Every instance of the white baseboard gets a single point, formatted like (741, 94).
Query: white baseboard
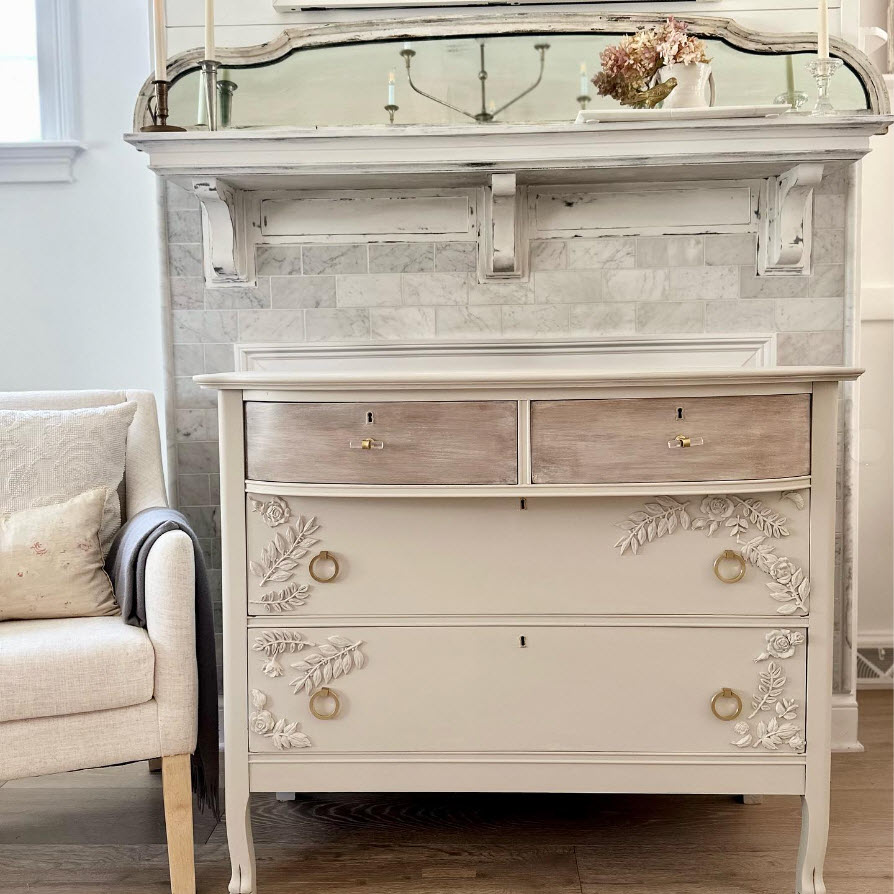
(844, 723)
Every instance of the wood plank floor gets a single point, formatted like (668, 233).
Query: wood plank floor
(102, 832)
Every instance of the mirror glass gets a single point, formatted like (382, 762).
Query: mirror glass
(349, 84)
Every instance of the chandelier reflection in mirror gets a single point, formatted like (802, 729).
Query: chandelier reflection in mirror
(490, 111)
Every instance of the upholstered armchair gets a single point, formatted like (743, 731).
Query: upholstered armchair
(90, 692)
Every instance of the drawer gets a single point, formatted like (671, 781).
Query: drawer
(487, 556)
(413, 442)
(477, 689)
(592, 441)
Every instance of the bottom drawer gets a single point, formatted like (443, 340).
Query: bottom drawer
(527, 689)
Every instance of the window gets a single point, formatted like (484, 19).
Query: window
(37, 129)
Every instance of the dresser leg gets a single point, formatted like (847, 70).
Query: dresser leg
(752, 799)
(239, 839)
(814, 835)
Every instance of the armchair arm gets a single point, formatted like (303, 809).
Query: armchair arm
(170, 622)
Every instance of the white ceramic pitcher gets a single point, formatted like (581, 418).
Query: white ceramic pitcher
(692, 79)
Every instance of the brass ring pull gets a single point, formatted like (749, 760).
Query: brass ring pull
(728, 694)
(324, 556)
(328, 693)
(684, 441)
(732, 556)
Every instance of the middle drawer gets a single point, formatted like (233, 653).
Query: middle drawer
(558, 556)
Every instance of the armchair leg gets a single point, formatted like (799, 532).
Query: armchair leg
(175, 775)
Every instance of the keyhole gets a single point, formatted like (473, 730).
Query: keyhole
(523, 642)
(369, 417)
(679, 412)
(522, 503)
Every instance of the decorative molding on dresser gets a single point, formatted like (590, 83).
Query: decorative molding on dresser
(493, 581)
(634, 352)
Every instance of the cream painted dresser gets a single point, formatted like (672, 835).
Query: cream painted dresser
(559, 581)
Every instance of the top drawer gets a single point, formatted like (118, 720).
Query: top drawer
(731, 438)
(412, 442)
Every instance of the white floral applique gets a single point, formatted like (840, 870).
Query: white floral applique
(282, 734)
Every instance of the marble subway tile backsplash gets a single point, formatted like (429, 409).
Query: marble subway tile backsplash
(392, 290)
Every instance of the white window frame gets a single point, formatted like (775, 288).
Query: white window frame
(50, 159)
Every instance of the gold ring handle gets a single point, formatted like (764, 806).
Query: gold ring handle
(732, 556)
(324, 556)
(728, 694)
(684, 441)
(328, 693)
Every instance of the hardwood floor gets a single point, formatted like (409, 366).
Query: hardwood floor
(102, 832)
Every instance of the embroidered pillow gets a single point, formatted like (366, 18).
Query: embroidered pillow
(49, 456)
(51, 561)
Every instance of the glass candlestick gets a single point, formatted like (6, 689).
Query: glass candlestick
(583, 100)
(823, 70)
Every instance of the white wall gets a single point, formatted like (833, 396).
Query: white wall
(79, 290)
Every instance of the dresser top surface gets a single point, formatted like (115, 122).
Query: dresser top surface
(472, 376)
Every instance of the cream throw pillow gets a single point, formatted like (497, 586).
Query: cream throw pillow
(51, 562)
(49, 456)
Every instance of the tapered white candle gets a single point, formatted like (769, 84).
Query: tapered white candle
(159, 40)
(390, 88)
(823, 30)
(583, 79)
(210, 49)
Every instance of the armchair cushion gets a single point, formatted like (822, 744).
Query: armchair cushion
(49, 456)
(50, 668)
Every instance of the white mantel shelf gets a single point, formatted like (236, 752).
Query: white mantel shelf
(664, 150)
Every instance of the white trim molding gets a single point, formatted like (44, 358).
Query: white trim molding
(42, 161)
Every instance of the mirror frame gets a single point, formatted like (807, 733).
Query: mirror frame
(491, 25)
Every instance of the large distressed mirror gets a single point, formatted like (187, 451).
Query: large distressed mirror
(418, 78)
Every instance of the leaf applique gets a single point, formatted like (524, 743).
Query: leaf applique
(278, 601)
(335, 658)
(281, 556)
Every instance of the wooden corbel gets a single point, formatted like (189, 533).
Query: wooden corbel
(786, 215)
(502, 246)
(224, 247)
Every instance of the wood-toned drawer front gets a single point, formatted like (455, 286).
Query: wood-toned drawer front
(753, 436)
(422, 442)
(476, 689)
(487, 556)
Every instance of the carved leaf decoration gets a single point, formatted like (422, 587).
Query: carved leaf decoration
(763, 518)
(280, 558)
(771, 734)
(336, 658)
(277, 601)
(794, 496)
(277, 642)
(790, 586)
(772, 682)
(658, 519)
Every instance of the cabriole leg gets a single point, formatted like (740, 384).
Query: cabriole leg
(814, 835)
(239, 839)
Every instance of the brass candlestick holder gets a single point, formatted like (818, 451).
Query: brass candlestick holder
(158, 111)
(391, 109)
(209, 83)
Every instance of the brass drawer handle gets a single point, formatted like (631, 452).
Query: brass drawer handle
(730, 555)
(685, 441)
(328, 693)
(366, 444)
(324, 556)
(726, 693)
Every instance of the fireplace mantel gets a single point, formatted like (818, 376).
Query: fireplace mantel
(786, 155)
(364, 157)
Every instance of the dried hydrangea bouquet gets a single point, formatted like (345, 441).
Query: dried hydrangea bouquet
(664, 64)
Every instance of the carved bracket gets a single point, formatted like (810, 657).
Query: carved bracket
(224, 248)
(786, 214)
(502, 246)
